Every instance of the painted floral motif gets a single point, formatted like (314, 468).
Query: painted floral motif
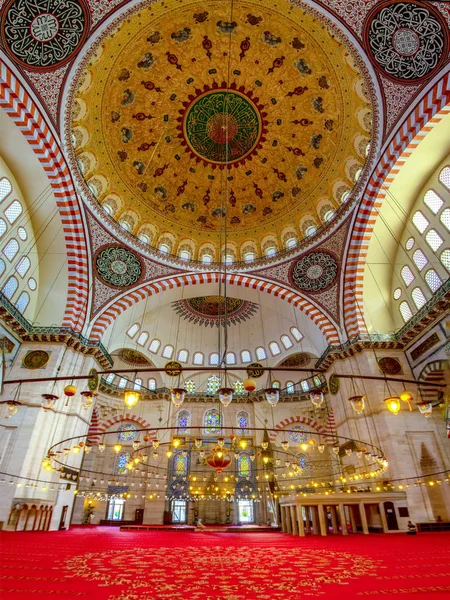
(118, 267)
(44, 34)
(210, 310)
(315, 272)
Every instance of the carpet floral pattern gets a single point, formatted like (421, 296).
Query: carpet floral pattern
(106, 564)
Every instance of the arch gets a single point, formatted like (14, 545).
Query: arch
(426, 113)
(96, 430)
(128, 299)
(328, 431)
(436, 371)
(21, 108)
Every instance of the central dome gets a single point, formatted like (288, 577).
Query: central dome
(183, 118)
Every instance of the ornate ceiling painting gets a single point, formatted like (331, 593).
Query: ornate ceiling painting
(156, 127)
(209, 311)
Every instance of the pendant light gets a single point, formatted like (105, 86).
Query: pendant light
(177, 395)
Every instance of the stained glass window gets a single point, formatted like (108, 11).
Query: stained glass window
(152, 384)
(213, 421)
(190, 386)
(121, 463)
(212, 385)
(244, 465)
(238, 387)
(242, 422)
(127, 432)
(303, 463)
(290, 388)
(184, 418)
(299, 434)
(180, 465)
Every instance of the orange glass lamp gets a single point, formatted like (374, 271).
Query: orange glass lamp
(406, 396)
(218, 460)
(393, 404)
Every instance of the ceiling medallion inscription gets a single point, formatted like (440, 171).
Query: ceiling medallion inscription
(222, 127)
(406, 40)
(44, 34)
(210, 310)
(118, 266)
(315, 272)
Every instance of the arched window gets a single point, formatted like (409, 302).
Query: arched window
(311, 230)
(199, 358)
(207, 259)
(144, 238)
(168, 351)
(183, 356)
(420, 221)
(445, 259)
(231, 358)
(110, 378)
(407, 275)
(420, 259)
(164, 248)
(212, 385)
(328, 215)
(290, 388)
(154, 346)
(433, 201)
(122, 383)
(249, 256)
(246, 357)
(13, 211)
(212, 422)
(260, 353)
(185, 255)
(23, 301)
(244, 465)
(128, 432)
(271, 251)
(274, 348)
(142, 339)
(125, 225)
(298, 434)
(10, 287)
(183, 421)
(276, 384)
(180, 467)
(305, 386)
(11, 249)
(137, 384)
(418, 297)
(132, 331)
(405, 311)
(303, 463)
(286, 341)
(5, 188)
(291, 243)
(434, 240)
(433, 280)
(2, 266)
(228, 259)
(190, 386)
(445, 218)
(214, 358)
(296, 333)
(238, 387)
(152, 384)
(444, 177)
(108, 210)
(122, 459)
(3, 227)
(23, 265)
(242, 422)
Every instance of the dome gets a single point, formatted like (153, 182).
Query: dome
(184, 122)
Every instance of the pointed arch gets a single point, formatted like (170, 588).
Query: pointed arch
(128, 299)
(96, 430)
(21, 108)
(328, 431)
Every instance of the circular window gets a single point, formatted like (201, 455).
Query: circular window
(397, 293)
(21, 232)
(32, 283)
(409, 243)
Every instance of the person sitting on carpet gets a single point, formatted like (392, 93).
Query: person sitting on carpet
(200, 524)
(412, 530)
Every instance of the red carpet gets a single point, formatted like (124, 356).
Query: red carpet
(104, 563)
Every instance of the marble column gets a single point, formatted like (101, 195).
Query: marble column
(301, 524)
(288, 519)
(322, 519)
(294, 520)
(343, 519)
(334, 521)
(307, 519)
(283, 519)
(383, 517)
(362, 512)
(352, 518)
(315, 520)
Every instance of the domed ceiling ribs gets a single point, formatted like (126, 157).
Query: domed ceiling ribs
(155, 110)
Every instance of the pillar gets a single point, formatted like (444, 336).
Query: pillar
(362, 512)
(334, 521)
(283, 519)
(322, 520)
(352, 518)
(343, 518)
(301, 524)
(288, 520)
(383, 517)
(315, 520)
(294, 520)
(307, 519)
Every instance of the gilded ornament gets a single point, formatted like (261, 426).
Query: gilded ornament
(35, 359)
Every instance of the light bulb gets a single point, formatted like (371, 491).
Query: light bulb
(117, 447)
(393, 404)
(243, 444)
(264, 445)
(131, 398)
(176, 442)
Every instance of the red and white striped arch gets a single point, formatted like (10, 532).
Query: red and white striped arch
(104, 319)
(20, 107)
(428, 111)
(328, 431)
(96, 430)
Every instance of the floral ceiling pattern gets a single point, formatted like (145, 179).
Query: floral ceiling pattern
(185, 118)
(213, 310)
